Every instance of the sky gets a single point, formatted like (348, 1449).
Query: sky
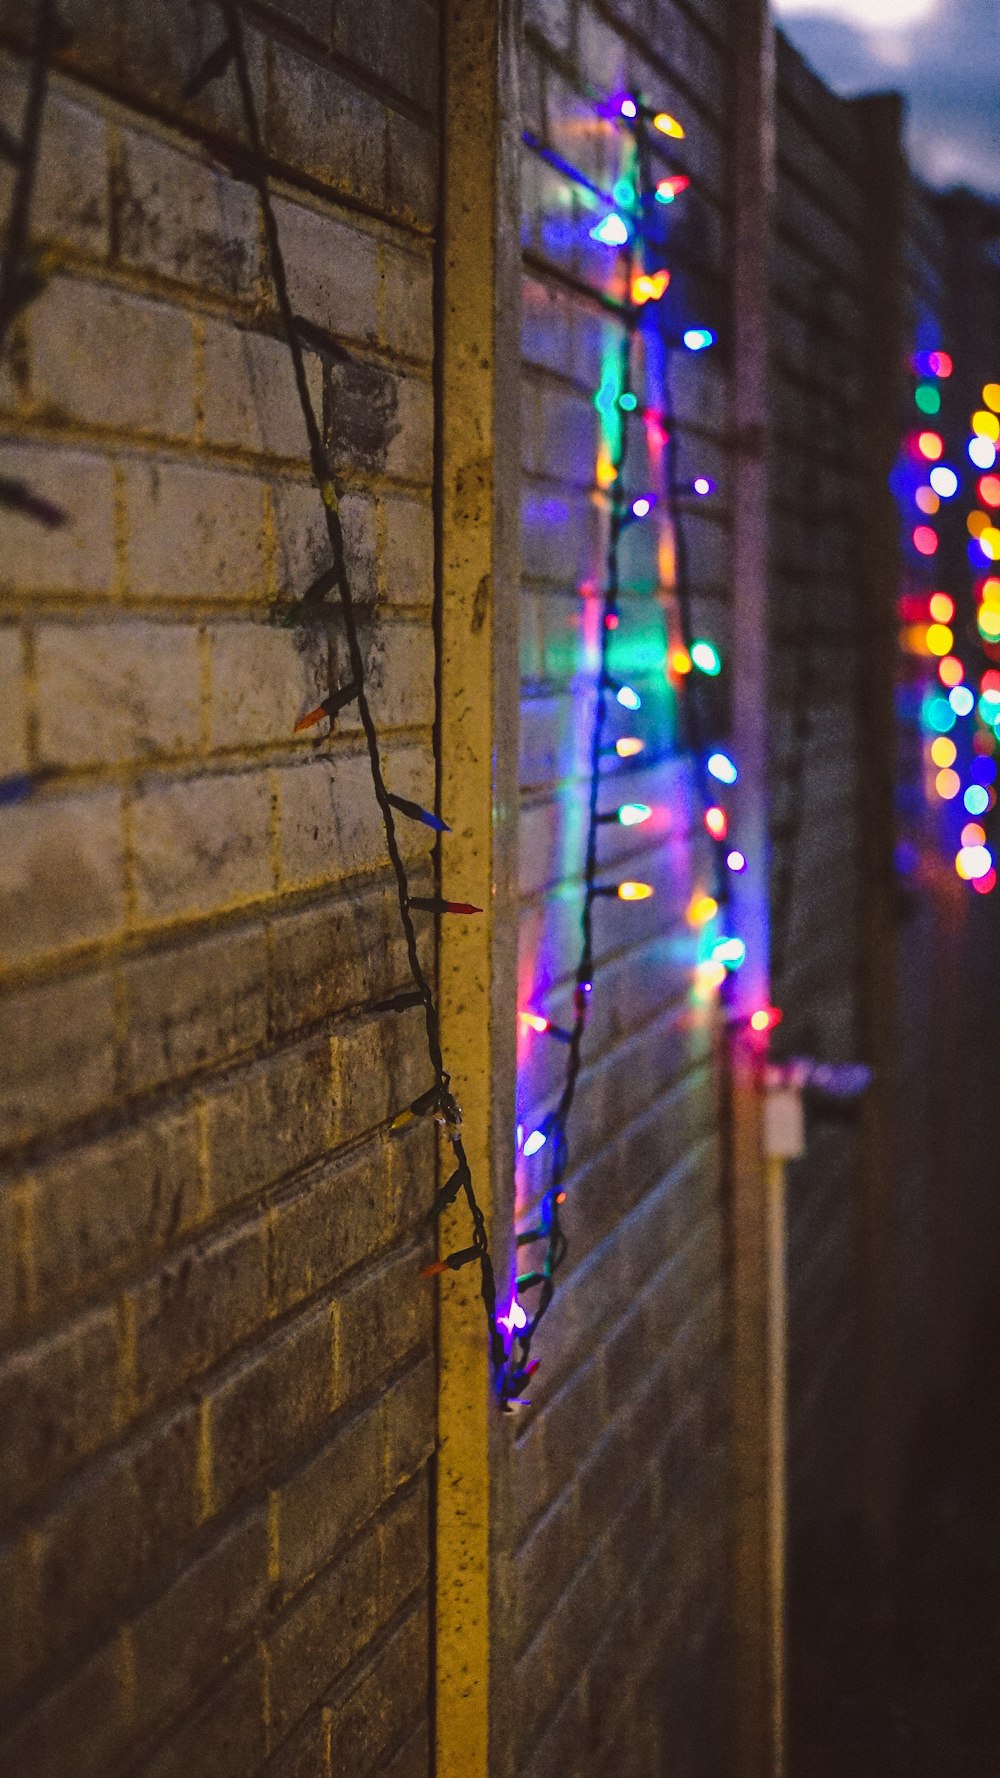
(944, 55)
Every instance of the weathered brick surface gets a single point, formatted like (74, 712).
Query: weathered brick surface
(60, 1403)
(193, 532)
(109, 1204)
(79, 556)
(201, 844)
(820, 328)
(250, 399)
(58, 1042)
(216, 1372)
(116, 691)
(80, 335)
(194, 1005)
(61, 876)
(179, 218)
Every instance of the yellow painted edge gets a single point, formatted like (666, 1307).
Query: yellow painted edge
(479, 281)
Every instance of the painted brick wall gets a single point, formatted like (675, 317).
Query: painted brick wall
(216, 1383)
(618, 1552)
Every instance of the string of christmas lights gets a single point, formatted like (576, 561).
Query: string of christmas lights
(958, 729)
(632, 227)
(975, 859)
(23, 277)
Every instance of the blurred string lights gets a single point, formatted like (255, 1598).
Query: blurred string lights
(959, 725)
(632, 227)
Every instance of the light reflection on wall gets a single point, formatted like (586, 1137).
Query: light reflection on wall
(609, 632)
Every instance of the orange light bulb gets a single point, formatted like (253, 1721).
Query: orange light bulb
(951, 670)
(947, 784)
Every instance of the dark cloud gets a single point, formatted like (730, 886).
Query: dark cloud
(948, 67)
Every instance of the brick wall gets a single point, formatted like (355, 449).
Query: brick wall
(820, 329)
(217, 1382)
(217, 1367)
(617, 1542)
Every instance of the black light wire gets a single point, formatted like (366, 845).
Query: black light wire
(21, 282)
(21, 278)
(18, 282)
(439, 1101)
(549, 1230)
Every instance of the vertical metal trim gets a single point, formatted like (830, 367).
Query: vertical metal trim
(478, 346)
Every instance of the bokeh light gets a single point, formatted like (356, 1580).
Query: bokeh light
(944, 481)
(947, 784)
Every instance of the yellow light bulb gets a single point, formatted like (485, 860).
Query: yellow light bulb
(629, 746)
(943, 751)
(634, 891)
(668, 126)
(939, 639)
(606, 472)
(680, 661)
(649, 287)
(991, 396)
(986, 425)
(942, 608)
(701, 909)
(989, 543)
